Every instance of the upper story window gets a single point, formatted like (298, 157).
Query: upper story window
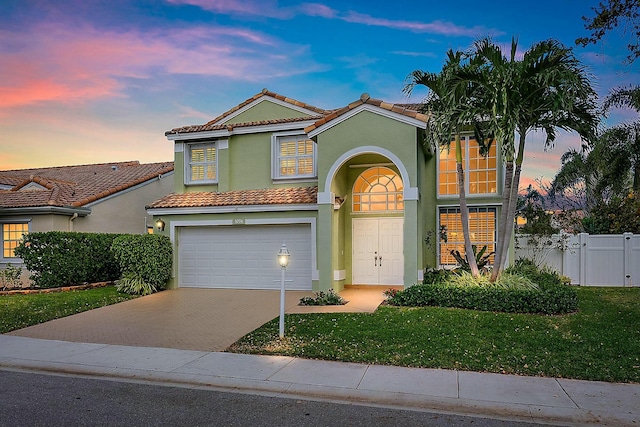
(378, 189)
(201, 163)
(12, 236)
(481, 173)
(294, 156)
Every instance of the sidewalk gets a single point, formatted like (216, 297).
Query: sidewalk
(531, 399)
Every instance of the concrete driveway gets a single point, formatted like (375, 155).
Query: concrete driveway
(187, 319)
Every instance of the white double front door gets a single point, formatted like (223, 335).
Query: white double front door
(377, 251)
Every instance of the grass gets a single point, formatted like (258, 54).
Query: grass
(20, 311)
(600, 342)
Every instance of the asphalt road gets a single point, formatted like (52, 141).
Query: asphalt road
(30, 399)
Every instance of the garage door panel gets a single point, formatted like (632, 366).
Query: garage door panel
(243, 257)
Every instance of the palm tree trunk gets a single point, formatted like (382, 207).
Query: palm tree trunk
(464, 212)
(513, 198)
(502, 226)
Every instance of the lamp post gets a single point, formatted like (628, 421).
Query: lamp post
(283, 260)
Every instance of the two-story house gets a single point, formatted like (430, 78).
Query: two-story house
(353, 192)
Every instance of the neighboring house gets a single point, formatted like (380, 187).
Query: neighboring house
(105, 198)
(353, 192)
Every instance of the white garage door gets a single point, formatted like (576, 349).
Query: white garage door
(243, 256)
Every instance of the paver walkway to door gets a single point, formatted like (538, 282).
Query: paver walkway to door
(186, 318)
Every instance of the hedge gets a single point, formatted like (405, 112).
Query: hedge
(58, 258)
(147, 257)
(554, 295)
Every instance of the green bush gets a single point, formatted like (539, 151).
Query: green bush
(144, 257)
(58, 258)
(542, 291)
(323, 298)
(134, 285)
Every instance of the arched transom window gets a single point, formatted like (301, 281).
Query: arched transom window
(378, 189)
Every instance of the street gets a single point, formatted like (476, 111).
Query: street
(30, 399)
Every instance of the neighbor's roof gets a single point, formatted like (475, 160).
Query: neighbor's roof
(74, 186)
(320, 117)
(269, 196)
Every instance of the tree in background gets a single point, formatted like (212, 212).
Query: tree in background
(611, 15)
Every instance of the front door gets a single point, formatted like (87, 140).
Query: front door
(377, 251)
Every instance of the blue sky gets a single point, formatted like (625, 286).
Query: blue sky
(93, 81)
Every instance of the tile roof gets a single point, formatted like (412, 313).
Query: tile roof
(267, 196)
(213, 126)
(215, 123)
(321, 117)
(409, 110)
(74, 186)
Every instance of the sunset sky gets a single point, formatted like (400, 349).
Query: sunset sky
(85, 81)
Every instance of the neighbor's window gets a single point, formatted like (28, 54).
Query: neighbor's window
(12, 236)
(482, 227)
(294, 157)
(378, 189)
(480, 171)
(202, 163)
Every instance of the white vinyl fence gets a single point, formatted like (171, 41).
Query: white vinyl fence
(598, 260)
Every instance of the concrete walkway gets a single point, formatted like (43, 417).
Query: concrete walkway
(532, 399)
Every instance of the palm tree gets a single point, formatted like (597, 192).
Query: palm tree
(602, 170)
(628, 135)
(547, 89)
(449, 106)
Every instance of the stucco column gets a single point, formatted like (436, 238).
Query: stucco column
(411, 242)
(325, 246)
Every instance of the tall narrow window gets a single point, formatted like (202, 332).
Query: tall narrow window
(482, 226)
(378, 189)
(202, 163)
(294, 157)
(480, 171)
(11, 237)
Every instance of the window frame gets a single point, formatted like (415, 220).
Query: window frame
(276, 140)
(465, 139)
(396, 198)
(188, 162)
(4, 222)
(456, 208)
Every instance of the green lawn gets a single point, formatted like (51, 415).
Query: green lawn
(599, 342)
(20, 311)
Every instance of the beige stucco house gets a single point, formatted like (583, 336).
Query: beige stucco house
(105, 198)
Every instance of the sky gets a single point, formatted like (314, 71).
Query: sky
(84, 81)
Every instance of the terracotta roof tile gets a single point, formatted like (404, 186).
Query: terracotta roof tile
(224, 126)
(75, 185)
(265, 92)
(409, 110)
(269, 196)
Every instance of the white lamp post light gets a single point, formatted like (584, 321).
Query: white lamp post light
(283, 260)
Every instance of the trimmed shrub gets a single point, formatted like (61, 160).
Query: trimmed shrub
(541, 291)
(143, 258)
(323, 298)
(59, 258)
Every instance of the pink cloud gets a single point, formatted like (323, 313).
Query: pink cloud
(317, 9)
(266, 8)
(60, 64)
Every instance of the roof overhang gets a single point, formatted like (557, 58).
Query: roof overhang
(231, 209)
(372, 109)
(240, 130)
(46, 210)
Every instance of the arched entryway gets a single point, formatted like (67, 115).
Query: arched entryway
(377, 227)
